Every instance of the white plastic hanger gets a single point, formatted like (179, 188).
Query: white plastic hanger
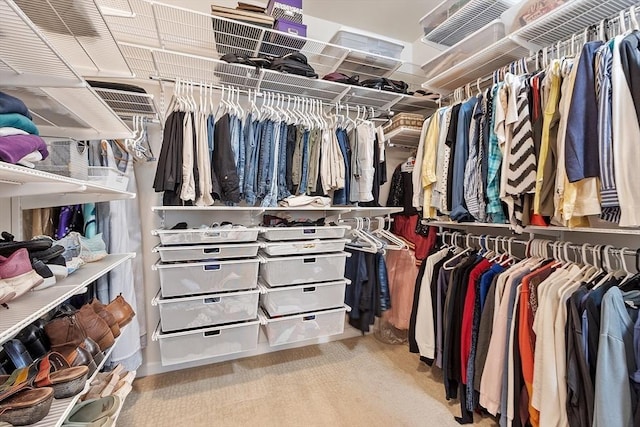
(396, 242)
(633, 18)
(370, 245)
(607, 266)
(448, 265)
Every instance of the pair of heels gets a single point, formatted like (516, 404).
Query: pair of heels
(26, 395)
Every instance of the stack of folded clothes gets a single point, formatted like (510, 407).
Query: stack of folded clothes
(19, 140)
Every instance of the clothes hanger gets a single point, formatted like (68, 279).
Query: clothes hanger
(370, 245)
(595, 270)
(633, 19)
(293, 111)
(448, 266)
(396, 242)
(281, 107)
(318, 113)
(607, 267)
(380, 243)
(191, 104)
(628, 274)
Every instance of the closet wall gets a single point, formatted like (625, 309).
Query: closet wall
(318, 29)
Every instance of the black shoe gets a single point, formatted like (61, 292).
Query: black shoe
(35, 340)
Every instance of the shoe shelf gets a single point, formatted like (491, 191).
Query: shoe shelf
(38, 189)
(443, 26)
(569, 18)
(36, 304)
(60, 408)
(61, 102)
(169, 42)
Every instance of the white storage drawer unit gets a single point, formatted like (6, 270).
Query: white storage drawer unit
(285, 300)
(301, 247)
(302, 233)
(296, 270)
(204, 252)
(300, 327)
(207, 235)
(187, 346)
(207, 310)
(207, 277)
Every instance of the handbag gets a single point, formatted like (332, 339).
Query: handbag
(294, 63)
(241, 58)
(397, 86)
(343, 78)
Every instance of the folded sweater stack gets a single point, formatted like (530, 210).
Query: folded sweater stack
(20, 142)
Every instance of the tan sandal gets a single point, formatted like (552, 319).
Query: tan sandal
(27, 406)
(19, 403)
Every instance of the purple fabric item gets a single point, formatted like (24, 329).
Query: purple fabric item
(15, 147)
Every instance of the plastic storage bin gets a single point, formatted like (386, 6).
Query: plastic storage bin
(302, 247)
(207, 277)
(207, 235)
(301, 327)
(198, 344)
(285, 300)
(296, 270)
(109, 177)
(205, 252)
(301, 233)
(207, 310)
(368, 44)
(467, 47)
(67, 158)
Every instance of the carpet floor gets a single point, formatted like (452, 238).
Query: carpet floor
(355, 382)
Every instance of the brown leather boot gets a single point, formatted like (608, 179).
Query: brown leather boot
(101, 310)
(121, 311)
(64, 330)
(94, 327)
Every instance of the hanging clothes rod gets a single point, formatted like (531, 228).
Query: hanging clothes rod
(512, 240)
(570, 46)
(372, 112)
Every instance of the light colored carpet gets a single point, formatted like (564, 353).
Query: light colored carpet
(355, 382)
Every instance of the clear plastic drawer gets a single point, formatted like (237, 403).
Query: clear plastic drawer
(302, 233)
(207, 235)
(205, 252)
(207, 310)
(301, 327)
(301, 247)
(198, 344)
(207, 277)
(296, 270)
